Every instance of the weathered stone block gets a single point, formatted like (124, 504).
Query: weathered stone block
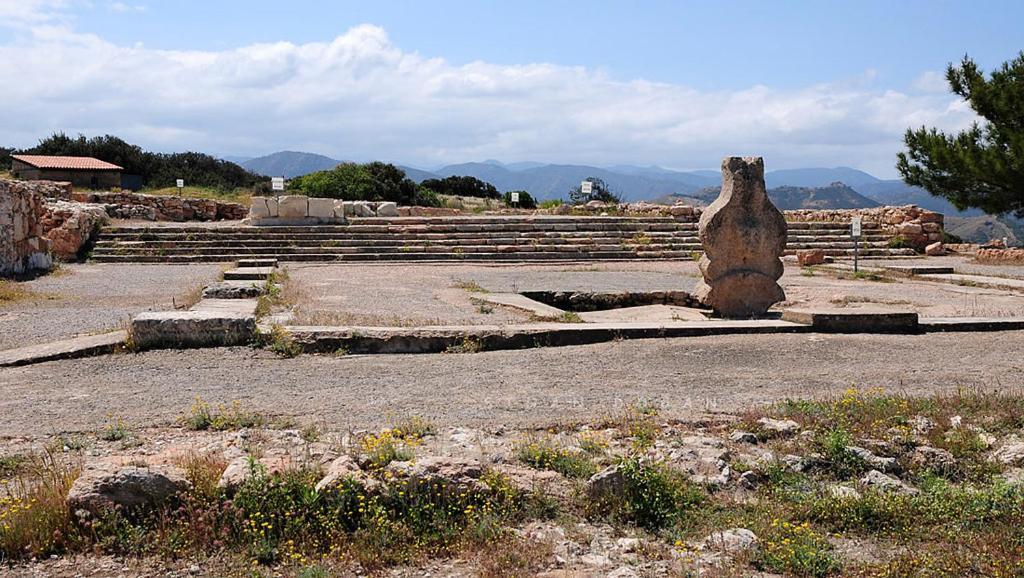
(387, 209)
(321, 208)
(744, 237)
(194, 328)
(259, 208)
(293, 207)
(362, 209)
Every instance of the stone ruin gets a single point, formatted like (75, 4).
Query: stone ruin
(744, 238)
(23, 247)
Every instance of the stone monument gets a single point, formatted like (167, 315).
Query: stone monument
(744, 238)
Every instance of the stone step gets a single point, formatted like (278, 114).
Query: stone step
(455, 257)
(257, 263)
(270, 250)
(248, 274)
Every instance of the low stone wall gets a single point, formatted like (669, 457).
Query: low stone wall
(22, 245)
(162, 207)
(1000, 256)
(916, 226)
(683, 213)
(71, 226)
(299, 210)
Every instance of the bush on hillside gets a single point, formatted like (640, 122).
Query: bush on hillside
(526, 201)
(462, 186)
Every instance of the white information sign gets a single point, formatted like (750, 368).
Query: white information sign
(586, 187)
(515, 197)
(181, 183)
(855, 227)
(277, 183)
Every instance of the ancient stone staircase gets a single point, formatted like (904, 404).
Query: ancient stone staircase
(517, 238)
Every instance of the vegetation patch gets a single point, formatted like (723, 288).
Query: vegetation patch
(203, 416)
(545, 454)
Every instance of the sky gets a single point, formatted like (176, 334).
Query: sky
(677, 84)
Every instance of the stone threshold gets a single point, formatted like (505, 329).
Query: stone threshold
(84, 346)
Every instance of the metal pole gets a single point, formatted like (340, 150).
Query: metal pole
(856, 251)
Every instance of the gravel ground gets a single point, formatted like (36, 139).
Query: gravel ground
(516, 388)
(960, 264)
(92, 298)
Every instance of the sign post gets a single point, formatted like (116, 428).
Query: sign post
(855, 227)
(586, 187)
(277, 185)
(515, 199)
(180, 183)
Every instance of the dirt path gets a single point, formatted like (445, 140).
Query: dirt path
(538, 386)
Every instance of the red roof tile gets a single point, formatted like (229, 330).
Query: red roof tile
(72, 163)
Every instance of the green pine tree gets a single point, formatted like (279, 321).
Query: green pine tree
(983, 166)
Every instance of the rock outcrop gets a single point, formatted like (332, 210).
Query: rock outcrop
(106, 487)
(744, 238)
(70, 226)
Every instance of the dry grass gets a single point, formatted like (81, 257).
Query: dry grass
(319, 317)
(33, 511)
(849, 299)
(189, 298)
(243, 196)
(16, 292)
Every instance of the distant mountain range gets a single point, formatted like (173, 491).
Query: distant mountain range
(289, 164)
(817, 188)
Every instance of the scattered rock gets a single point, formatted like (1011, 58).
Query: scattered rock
(342, 468)
(876, 479)
(809, 257)
(1011, 453)
(608, 482)
(935, 249)
(873, 461)
(105, 487)
(843, 492)
(795, 463)
(461, 472)
(921, 425)
(783, 427)
(750, 479)
(743, 437)
(538, 481)
(733, 540)
(934, 459)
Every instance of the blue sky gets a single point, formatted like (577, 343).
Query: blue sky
(678, 84)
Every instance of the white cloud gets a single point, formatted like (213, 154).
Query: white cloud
(361, 97)
(931, 81)
(122, 7)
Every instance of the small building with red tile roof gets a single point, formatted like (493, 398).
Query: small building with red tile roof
(85, 172)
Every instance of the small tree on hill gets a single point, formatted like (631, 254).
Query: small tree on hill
(599, 191)
(982, 166)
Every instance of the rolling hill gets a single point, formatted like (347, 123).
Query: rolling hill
(289, 164)
(834, 196)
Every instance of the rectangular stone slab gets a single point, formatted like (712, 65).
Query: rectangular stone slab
(247, 263)
(248, 274)
(919, 269)
(210, 323)
(75, 347)
(521, 302)
(844, 320)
